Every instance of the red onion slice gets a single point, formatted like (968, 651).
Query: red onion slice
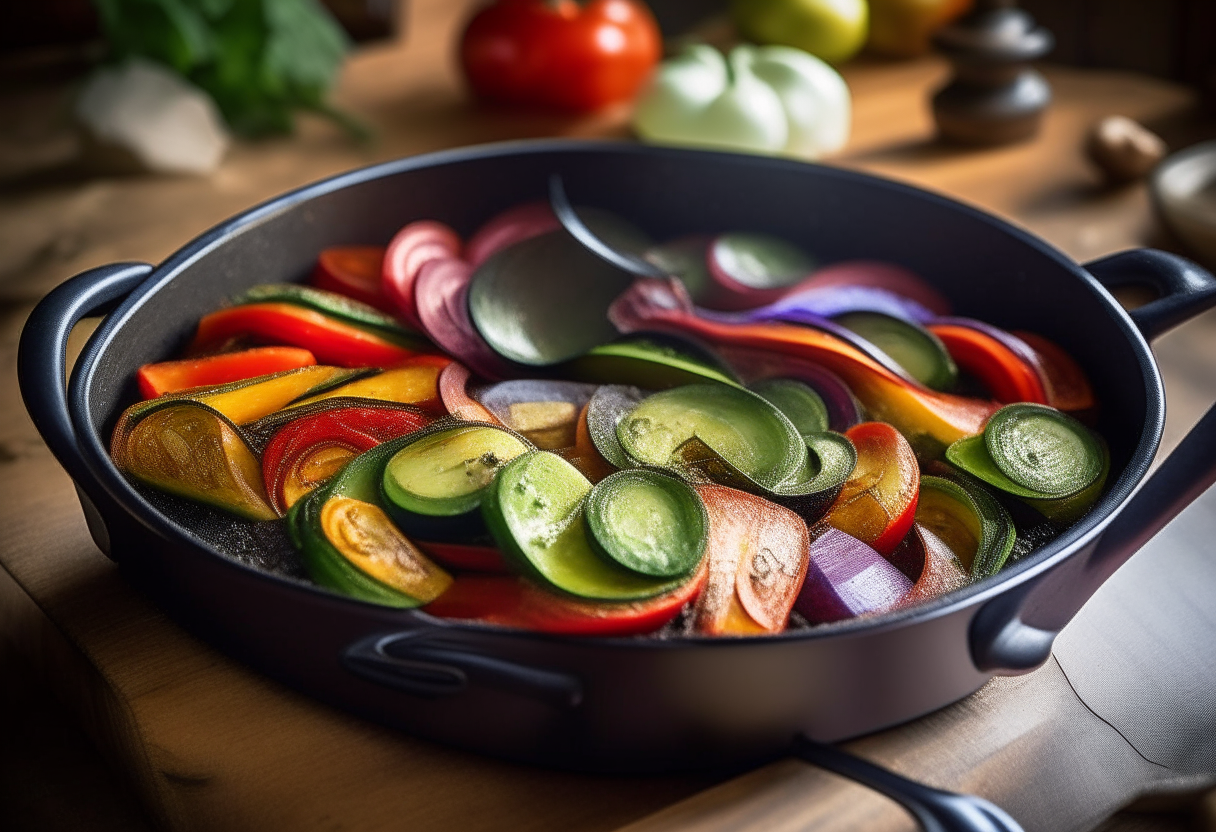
(847, 578)
(441, 290)
(879, 275)
(512, 226)
(411, 248)
(925, 559)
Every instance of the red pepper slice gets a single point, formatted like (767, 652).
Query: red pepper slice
(310, 450)
(353, 271)
(411, 248)
(465, 556)
(1065, 382)
(174, 376)
(516, 602)
(331, 341)
(878, 502)
(1007, 376)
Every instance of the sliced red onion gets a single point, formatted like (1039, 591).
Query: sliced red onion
(411, 248)
(830, 301)
(847, 578)
(879, 275)
(453, 391)
(752, 365)
(514, 225)
(441, 291)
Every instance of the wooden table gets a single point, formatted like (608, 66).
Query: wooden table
(196, 741)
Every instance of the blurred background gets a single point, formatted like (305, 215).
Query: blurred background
(127, 127)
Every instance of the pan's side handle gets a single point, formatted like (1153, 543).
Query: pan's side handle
(935, 810)
(42, 355)
(1000, 641)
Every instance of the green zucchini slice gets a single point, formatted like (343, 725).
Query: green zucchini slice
(349, 544)
(969, 520)
(433, 486)
(798, 401)
(1043, 450)
(711, 430)
(652, 361)
(912, 347)
(534, 510)
(648, 522)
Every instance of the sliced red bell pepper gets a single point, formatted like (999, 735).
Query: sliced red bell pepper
(1005, 374)
(516, 602)
(310, 450)
(331, 341)
(411, 248)
(353, 271)
(174, 376)
(1067, 387)
(878, 502)
(465, 556)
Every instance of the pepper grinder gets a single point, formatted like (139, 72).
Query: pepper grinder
(995, 96)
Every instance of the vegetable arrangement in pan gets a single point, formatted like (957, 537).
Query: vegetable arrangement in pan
(559, 425)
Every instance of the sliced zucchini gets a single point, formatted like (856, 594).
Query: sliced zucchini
(916, 349)
(648, 522)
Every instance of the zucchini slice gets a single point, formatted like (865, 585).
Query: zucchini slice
(648, 522)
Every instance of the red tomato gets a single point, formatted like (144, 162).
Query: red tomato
(560, 54)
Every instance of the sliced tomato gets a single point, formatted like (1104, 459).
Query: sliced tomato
(878, 502)
(174, 376)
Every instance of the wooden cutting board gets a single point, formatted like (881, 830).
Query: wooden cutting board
(209, 744)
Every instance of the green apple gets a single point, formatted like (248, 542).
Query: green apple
(830, 29)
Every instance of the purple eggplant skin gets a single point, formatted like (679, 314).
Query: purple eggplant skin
(846, 578)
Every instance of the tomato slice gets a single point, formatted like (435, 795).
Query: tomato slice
(878, 502)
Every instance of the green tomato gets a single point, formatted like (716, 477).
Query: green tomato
(831, 29)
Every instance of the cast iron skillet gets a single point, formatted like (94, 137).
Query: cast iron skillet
(628, 704)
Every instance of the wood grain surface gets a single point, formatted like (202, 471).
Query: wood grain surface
(204, 743)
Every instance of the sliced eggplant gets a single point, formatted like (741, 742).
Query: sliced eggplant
(846, 578)
(534, 510)
(545, 411)
(433, 487)
(647, 522)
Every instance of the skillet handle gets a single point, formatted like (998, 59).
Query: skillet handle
(1001, 641)
(42, 355)
(935, 810)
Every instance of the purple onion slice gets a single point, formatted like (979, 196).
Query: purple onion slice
(847, 578)
(440, 291)
(880, 275)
